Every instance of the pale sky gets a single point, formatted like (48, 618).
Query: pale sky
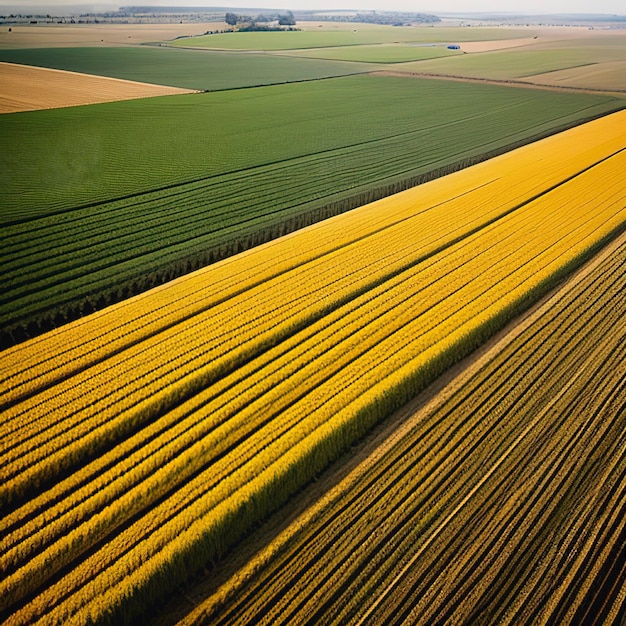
(446, 6)
(424, 6)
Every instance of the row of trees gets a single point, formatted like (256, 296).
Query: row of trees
(391, 18)
(260, 21)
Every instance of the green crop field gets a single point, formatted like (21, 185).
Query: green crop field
(105, 200)
(380, 53)
(191, 69)
(356, 36)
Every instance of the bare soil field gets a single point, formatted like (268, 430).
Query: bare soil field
(25, 88)
(69, 35)
(488, 46)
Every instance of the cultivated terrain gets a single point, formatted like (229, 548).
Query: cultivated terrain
(317, 326)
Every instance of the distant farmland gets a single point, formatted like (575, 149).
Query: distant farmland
(516, 63)
(356, 36)
(580, 60)
(105, 201)
(378, 54)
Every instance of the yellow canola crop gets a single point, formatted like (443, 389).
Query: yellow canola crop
(289, 367)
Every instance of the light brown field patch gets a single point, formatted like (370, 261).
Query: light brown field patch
(70, 35)
(26, 88)
(601, 76)
(502, 44)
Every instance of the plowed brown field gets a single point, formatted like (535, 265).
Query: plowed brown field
(25, 88)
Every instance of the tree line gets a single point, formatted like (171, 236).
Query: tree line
(260, 22)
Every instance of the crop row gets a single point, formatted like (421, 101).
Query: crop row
(65, 257)
(151, 461)
(501, 502)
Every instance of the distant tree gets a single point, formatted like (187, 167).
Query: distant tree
(287, 19)
(231, 19)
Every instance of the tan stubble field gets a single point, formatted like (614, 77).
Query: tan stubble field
(26, 88)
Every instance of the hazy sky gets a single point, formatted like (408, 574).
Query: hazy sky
(426, 6)
(435, 6)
